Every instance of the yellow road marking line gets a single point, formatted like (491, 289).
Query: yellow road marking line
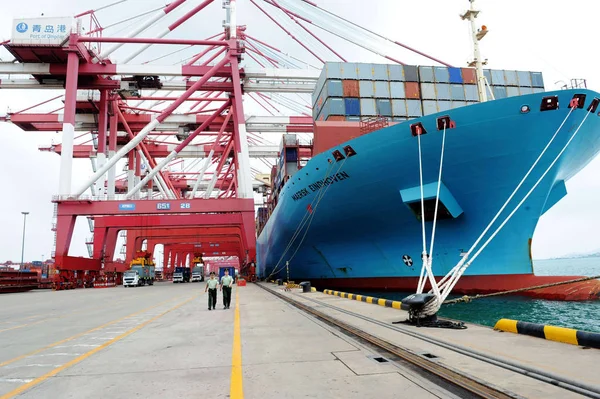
(236, 390)
(35, 352)
(24, 325)
(59, 317)
(73, 362)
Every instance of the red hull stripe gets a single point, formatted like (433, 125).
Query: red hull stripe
(472, 285)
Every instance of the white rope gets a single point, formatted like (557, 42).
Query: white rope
(432, 281)
(302, 222)
(459, 272)
(312, 215)
(466, 256)
(424, 253)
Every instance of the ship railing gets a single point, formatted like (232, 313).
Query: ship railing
(372, 123)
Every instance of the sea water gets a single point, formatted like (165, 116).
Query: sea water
(487, 311)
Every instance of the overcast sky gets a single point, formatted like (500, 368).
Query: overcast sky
(550, 36)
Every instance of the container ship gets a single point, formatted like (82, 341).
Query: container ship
(345, 212)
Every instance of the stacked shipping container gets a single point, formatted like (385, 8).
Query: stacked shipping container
(347, 91)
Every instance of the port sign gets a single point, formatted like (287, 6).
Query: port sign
(41, 31)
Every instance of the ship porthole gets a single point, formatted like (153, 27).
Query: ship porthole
(525, 109)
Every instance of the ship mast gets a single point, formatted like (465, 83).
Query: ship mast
(477, 35)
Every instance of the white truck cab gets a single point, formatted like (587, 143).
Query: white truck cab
(178, 277)
(131, 278)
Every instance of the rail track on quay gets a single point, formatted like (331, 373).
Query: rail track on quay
(451, 379)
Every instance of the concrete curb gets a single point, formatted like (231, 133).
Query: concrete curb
(368, 299)
(551, 333)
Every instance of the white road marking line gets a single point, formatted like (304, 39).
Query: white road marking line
(18, 380)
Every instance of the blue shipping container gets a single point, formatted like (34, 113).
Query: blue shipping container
(499, 92)
(396, 73)
(524, 78)
(441, 74)
(380, 72)
(384, 107)
(382, 89)
(471, 93)
(413, 108)
(536, 79)
(334, 88)
(367, 107)
(455, 75)
(457, 92)
(349, 70)
(365, 71)
(366, 88)
(428, 91)
(399, 108)
(512, 91)
(352, 106)
(444, 106)
(333, 106)
(511, 78)
(426, 74)
(458, 104)
(443, 91)
(498, 78)
(429, 107)
(397, 90)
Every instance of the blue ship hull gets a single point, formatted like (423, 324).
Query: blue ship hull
(363, 225)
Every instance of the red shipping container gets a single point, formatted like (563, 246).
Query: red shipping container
(412, 90)
(338, 118)
(330, 134)
(351, 88)
(469, 75)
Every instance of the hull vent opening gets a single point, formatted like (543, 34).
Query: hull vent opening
(443, 212)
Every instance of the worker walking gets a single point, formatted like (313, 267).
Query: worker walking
(211, 286)
(226, 283)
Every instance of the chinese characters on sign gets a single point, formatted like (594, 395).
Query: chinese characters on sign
(43, 31)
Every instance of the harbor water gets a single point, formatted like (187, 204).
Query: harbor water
(486, 311)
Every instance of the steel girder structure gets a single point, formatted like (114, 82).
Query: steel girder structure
(75, 63)
(122, 129)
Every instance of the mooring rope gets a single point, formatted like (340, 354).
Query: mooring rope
(467, 298)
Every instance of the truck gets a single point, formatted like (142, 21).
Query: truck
(198, 273)
(198, 268)
(181, 275)
(139, 275)
(142, 271)
(232, 272)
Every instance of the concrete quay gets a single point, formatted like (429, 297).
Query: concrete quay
(161, 341)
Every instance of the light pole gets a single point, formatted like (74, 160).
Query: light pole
(23, 242)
